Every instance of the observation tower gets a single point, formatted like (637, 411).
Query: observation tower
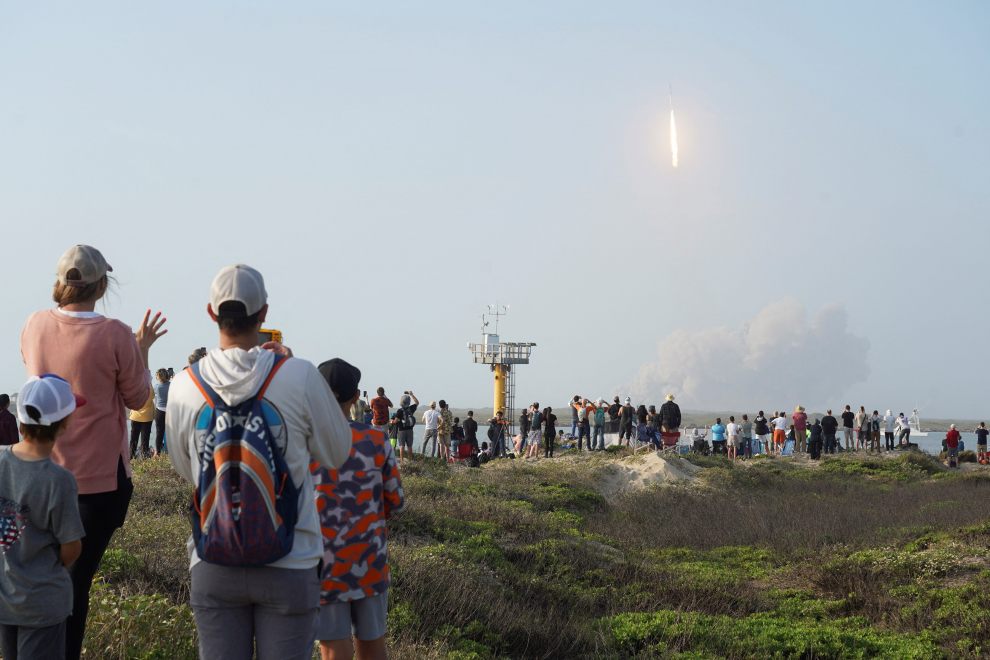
(501, 357)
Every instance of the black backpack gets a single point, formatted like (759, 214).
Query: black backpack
(535, 419)
(408, 419)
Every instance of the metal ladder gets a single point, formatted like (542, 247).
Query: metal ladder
(510, 401)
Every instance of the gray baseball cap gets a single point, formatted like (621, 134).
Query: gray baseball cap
(87, 260)
(238, 283)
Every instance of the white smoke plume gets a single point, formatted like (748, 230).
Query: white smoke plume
(776, 359)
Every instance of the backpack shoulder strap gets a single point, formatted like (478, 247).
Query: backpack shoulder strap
(208, 393)
(213, 398)
(279, 361)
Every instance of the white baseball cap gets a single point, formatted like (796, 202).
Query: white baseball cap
(51, 395)
(238, 283)
(87, 260)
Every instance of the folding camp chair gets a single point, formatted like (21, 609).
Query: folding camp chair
(463, 453)
(670, 442)
(788, 448)
(645, 436)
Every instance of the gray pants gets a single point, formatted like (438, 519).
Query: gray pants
(24, 643)
(278, 607)
(427, 435)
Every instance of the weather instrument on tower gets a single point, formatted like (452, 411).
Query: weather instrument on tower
(501, 356)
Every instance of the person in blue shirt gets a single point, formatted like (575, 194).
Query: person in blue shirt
(718, 437)
(161, 402)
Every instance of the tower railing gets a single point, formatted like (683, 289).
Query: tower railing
(502, 353)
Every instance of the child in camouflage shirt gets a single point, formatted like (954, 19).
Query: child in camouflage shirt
(354, 502)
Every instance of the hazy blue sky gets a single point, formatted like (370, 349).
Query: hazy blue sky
(392, 168)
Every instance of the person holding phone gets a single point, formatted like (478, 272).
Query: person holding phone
(359, 407)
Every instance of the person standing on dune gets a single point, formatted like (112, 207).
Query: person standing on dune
(862, 429)
(379, 410)
(549, 431)
(626, 416)
(829, 426)
(874, 423)
(762, 428)
(670, 416)
(848, 418)
(107, 363)
(800, 429)
(779, 432)
(888, 430)
(598, 426)
(613, 416)
(575, 407)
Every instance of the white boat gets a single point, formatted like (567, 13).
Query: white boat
(915, 423)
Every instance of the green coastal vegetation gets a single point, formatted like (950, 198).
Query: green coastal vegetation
(850, 557)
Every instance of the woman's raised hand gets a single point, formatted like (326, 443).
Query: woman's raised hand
(149, 333)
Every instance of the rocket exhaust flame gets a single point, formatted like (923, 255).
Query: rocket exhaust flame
(673, 131)
(673, 139)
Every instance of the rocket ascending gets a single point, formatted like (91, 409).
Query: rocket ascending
(673, 129)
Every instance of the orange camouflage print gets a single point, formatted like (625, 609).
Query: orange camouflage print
(354, 501)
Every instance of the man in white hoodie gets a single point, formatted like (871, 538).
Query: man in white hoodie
(272, 608)
(888, 430)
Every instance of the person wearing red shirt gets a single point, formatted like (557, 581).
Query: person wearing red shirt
(379, 410)
(952, 445)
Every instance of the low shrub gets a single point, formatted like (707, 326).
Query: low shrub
(763, 635)
(967, 456)
(138, 627)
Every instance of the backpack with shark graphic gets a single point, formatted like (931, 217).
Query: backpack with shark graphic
(245, 506)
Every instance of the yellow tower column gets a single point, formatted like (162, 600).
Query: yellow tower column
(500, 377)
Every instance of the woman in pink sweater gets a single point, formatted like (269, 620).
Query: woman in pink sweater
(107, 364)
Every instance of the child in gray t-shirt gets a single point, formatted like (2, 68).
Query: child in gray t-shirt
(40, 527)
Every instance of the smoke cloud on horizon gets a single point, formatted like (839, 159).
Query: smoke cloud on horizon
(776, 359)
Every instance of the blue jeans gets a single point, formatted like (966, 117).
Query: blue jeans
(597, 437)
(498, 445)
(829, 443)
(574, 427)
(584, 431)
